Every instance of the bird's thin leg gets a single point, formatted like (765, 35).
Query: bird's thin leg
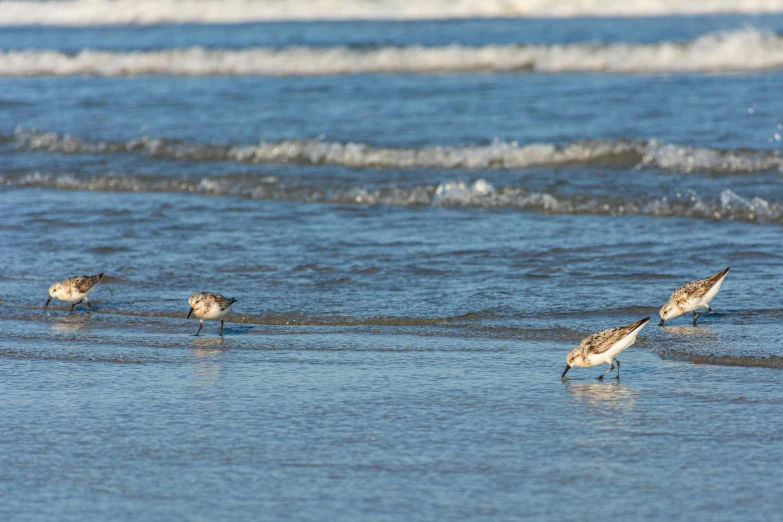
(88, 305)
(618, 368)
(696, 316)
(200, 324)
(600, 377)
(221, 328)
(74, 304)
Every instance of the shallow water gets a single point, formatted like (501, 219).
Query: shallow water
(413, 256)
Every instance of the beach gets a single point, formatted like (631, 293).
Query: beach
(414, 250)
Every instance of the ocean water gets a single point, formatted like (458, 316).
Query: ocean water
(419, 220)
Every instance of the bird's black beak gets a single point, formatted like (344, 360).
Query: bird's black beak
(568, 367)
(47, 302)
(191, 311)
(661, 323)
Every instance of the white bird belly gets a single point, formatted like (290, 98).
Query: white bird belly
(607, 356)
(74, 297)
(705, 301)
(691, 305)
(214, 312)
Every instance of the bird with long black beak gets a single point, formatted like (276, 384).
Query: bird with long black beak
(604, 347)
(209, 306)
(74, 290)
(692, 296)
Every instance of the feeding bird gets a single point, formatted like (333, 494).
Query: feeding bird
(603, 348)
(208, 306)
(74, 290)
(692, 296)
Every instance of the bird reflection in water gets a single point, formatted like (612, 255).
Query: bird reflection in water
(602, 394)
(699, 332)
(70, 323)
(207, 366)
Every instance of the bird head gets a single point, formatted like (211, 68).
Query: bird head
(575, 358)
(667, 311)
(56, 290)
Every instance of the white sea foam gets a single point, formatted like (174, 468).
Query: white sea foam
(741, 50)
(108, 12)
(496, 155)
(455, 193)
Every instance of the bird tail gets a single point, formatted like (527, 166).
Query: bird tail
(637, 325)
(720, 275)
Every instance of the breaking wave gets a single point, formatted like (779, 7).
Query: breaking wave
(108, 12)
(456, 193)
(736, 51)
(754, 361)
(497, 155)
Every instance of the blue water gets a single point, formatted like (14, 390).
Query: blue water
(413, 257)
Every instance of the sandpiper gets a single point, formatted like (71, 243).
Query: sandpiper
(74, 290)
(603, 348)
(209, 305)
(692, 296)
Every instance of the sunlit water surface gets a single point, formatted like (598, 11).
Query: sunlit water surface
(413, 257)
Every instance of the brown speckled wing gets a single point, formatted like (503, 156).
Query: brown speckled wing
(222, 302)
(84, 283)
(603, 340)
(696, 289)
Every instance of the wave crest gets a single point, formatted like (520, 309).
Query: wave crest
(145, 12)
(497, 155)
(736, 51)
(753, 361)
(456, 193)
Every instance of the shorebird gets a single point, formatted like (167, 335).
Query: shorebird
(604, 347)
(692, 296)
(74, 290)
(209, 305)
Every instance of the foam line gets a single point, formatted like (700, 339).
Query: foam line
(496, 155)
(147, 12)
(744, 50)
